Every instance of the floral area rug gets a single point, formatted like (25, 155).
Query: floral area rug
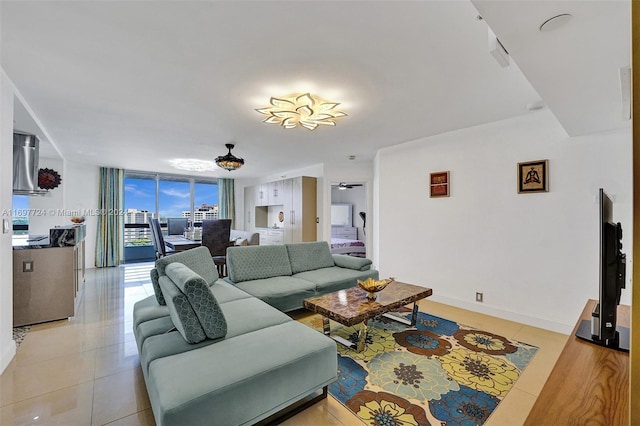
(437, 372)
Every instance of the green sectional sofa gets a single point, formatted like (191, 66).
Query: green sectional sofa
(285, 275)
(212, 353)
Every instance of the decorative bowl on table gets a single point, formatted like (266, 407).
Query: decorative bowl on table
(77, 219)
(372, 286)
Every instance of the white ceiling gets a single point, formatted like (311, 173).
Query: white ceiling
(135, 84)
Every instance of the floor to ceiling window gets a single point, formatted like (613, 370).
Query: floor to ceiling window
(154, 195)
(205, 199)
(174, 198)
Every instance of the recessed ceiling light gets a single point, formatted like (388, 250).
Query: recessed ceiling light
(352, 157)
(192, 165)
(555, 22)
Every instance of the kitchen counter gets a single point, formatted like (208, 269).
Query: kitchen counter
(60, 236)
(69, 235)
(21, 242)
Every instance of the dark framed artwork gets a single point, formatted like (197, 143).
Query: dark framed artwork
(533, 176)
(439, 184)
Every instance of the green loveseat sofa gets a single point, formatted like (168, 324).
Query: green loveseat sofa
(285, 275)
(213, 354)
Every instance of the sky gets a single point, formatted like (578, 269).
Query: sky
(20, 202)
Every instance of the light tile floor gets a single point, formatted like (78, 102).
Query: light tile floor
(86, 370)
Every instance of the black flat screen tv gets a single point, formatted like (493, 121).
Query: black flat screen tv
(603, 329)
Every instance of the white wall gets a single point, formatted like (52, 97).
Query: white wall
(7, 345)
(534, 256)
(81, 194)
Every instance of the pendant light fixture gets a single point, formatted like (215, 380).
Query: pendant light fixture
(229, 162)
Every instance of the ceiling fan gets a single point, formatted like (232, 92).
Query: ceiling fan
(343, 186)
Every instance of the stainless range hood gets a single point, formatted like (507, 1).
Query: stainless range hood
(26, 148)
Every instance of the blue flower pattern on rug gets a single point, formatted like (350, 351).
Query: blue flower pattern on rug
(351, 379)
(426, 322)
(407, 371)
(465, 407)
(410, 376)
(522, 357)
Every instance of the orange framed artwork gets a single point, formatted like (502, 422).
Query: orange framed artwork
(439, 184)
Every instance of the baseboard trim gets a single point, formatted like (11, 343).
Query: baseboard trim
(8, 352)
(504, 314)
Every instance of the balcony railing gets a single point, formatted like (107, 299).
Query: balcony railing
(137, 234)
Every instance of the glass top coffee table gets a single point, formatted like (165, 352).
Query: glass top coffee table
(351, 307)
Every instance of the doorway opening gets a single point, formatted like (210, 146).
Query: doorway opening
(349, 218)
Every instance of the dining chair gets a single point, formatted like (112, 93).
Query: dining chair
(216, 234)
(158, 239)
(177, 225)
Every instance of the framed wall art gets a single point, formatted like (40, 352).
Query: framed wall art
(533, 176)
(439, 184)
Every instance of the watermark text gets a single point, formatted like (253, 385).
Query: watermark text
(61, 212)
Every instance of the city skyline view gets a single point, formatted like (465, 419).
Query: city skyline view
(174, 197)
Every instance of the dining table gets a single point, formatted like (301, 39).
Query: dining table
(181, 243)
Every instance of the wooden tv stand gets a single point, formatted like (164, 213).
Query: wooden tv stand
(588, 385)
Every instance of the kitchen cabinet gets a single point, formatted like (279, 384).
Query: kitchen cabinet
(300, 204)
(44, 284)
(277, 194)
(270, 194)
(269, 237)
(261, 194)
(48, 273)
(290, 213)
(249, 206)
(79, 265)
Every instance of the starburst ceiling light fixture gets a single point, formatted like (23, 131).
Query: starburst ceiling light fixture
(306, 110)
(229, 162)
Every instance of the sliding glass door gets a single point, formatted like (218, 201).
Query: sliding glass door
(154, 195)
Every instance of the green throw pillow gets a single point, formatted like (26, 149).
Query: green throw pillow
(197, 259)
(202, 301)
(309, 256)
(181, 312)
(257, 262)
(357, 263)
(156, 287)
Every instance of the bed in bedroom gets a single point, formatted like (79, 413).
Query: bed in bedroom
(344, 236)
(354, 248)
